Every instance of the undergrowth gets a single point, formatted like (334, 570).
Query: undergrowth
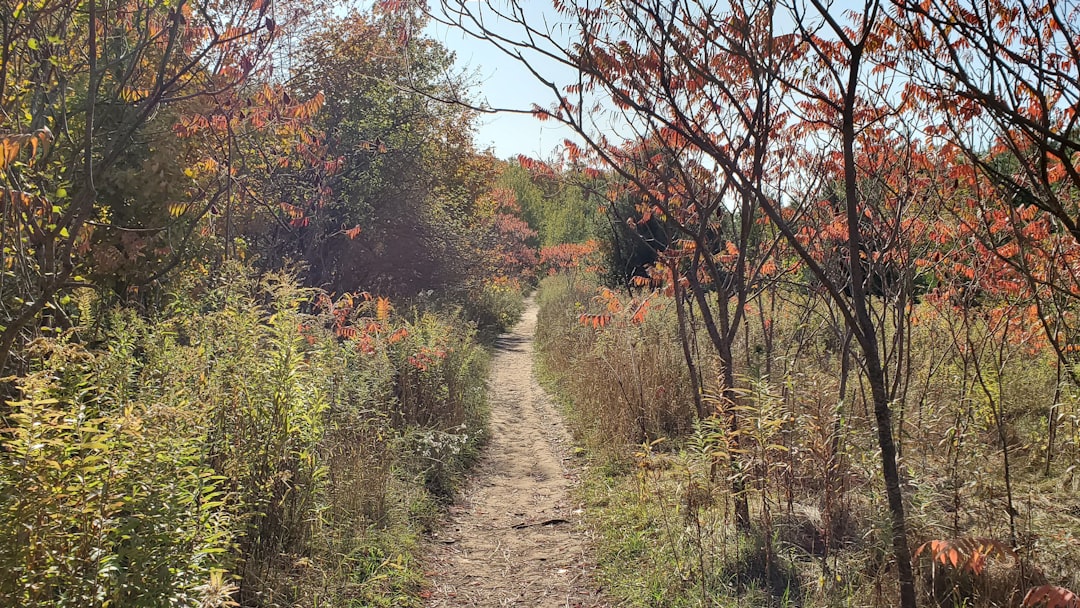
(260, 445)
(658, 487)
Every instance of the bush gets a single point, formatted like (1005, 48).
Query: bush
(495, 307)
(100, 505)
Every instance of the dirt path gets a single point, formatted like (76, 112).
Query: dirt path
(514, 538)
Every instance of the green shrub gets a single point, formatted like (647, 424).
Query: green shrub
(102, 503)
(495, 307)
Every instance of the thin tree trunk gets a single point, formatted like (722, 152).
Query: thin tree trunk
(684, 341)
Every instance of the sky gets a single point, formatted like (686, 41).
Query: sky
(504, 83)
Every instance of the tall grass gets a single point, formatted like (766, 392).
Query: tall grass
(627, 383)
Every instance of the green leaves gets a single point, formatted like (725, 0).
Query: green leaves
(72, 475)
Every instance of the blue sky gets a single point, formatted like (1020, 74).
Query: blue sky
(503, 82)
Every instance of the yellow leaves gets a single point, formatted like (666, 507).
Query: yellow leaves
(217, 591)
(373, 146)
(383, 309)
(132, 95)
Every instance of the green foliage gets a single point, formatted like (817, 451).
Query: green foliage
(406, 177)
(252, 438)
(664, 538)
(440, 391)
(99, 504)
(495, 308)
(560, 210)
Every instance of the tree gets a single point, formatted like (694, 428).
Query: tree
(394, 212)
(80, 83)
(995, 84)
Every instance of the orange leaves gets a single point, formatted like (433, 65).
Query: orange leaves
(672, 138)
(568, 256)
(731, 253)
(964, 270)
(398, 336)
(639, 313)
(11, 145)
(621, 311)
(535, 166)
(610, 300)
(596, 321)
(1049, 596)
(268, 107)
(573, 152)
(646, 281)
(964, 553)
(376, 146)
(540, 113)
(367, 321)
(382, 309)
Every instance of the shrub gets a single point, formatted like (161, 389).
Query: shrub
(495, 307)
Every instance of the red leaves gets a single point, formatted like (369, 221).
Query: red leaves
(1049, 596)
(567, 256)
(535, 166)
(622, 312)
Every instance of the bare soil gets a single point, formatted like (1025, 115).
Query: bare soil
(514, 538)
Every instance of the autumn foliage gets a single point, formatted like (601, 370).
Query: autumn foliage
(897, 179)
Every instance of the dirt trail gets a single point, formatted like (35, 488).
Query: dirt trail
(514, 538)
